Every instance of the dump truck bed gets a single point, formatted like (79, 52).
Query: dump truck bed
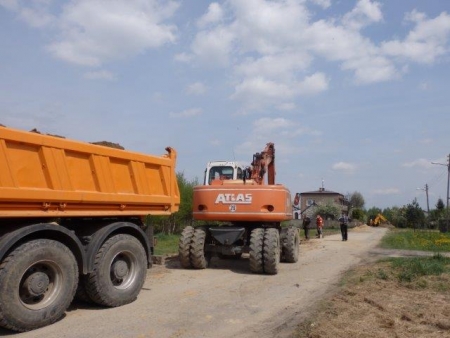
(48, 176)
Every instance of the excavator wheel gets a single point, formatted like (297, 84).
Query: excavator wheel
(290, 245)
(197, 250)
(184, 247)
(256, 250)
(271, 252)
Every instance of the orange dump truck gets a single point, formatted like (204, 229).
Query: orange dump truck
(72, 223)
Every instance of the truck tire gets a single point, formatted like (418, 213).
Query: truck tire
(184, 247)
(81, 293)
(291, 245)
(256, 250)
(38, 281)
(120, 269)
(271, 251)
(197, 250)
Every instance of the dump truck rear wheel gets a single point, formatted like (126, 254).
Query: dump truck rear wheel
(197, 250)
(184, 247)
(81, 293)
(291, 245)
(119, 272)
(38, 282)
(271, 251)
(256, 250)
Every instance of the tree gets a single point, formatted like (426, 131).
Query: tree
(414, 214)
(357, 200)
(440, 204)
(177, 221)
(395, 216)
(358, 214)
(328, 210)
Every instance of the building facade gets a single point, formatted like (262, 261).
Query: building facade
(318, 197)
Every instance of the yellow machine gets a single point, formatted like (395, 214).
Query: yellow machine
(378, 220)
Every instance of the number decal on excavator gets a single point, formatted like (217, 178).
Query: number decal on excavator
(234, 199)
(232, 208)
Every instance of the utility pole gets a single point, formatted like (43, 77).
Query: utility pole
(448, 188)
(426, 191)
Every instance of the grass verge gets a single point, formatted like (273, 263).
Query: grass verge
(166, 244)
(408, 239)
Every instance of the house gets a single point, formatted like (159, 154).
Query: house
(319, 197)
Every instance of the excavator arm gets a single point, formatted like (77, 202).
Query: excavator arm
(263, 163)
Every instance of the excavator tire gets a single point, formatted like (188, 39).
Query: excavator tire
(197, 250)
(184, 247)
(256, 250)
(271, 251)
(291, 245)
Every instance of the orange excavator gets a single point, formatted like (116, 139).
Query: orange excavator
(250, 207)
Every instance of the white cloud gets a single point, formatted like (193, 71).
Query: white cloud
(419, 163)
(100, 75)
(196, 88)
(364, 13)
(183, 57)
(33, 12)
(95, 31)
(186, 113)
(286, 106)
(213, 15)
(344, 166)
(213, 47)
(322, 3)
(425, 43)
(387, 191)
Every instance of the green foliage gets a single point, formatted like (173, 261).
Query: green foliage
(358, 214)
(357, 200)
(440, 204)
(177, 221)
(416, 240)
(415, 217)
(395, 216)
(409, 269)
(328, 210)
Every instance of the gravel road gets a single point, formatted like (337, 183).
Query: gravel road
(225, 300)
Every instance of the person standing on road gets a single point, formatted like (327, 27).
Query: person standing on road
(306, 222)
(344, 226)
(319, 225)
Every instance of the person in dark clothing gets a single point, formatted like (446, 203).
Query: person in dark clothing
(344, 220)
(306, 221)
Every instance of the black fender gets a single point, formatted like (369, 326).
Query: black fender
(105, 232)
(44, 230)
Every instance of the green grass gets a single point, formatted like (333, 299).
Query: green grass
(416, 240)
(409, 269)
(166, 244)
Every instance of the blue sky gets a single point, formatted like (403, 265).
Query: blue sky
(354, 93)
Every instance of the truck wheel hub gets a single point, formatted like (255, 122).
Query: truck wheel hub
(120, 269)
(37, 283)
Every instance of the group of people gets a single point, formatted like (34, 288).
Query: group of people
(343, 221)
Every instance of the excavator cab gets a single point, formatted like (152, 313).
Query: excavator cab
(223, 170)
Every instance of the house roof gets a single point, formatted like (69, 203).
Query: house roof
(321, 191)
